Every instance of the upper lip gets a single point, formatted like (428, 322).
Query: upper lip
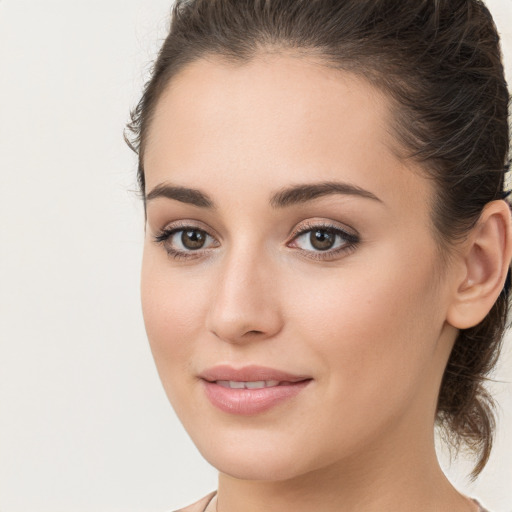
(249, 373)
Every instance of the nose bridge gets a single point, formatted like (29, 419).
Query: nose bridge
(245, 300)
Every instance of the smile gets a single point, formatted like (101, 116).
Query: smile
(257, 384)
(250, 390)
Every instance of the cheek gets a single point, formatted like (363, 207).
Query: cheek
(371, 329)
(173, 308)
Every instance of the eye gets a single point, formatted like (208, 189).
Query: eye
(183, 241)
(329, 239)
(319, 239)
(191, 239)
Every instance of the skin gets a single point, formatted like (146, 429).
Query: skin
(373, 324)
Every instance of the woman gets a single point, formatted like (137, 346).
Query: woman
(327, 244)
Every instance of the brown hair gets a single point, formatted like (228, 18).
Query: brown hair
(440, 63)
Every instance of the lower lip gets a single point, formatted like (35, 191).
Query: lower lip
(251, 401)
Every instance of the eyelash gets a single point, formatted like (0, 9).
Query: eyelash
(165, 234)
(351, 240)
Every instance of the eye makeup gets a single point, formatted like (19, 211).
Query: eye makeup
(317, 240)
(323, 241)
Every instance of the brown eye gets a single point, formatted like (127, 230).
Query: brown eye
(185, 242)
(193, 239)
(326, 239)
(322, 239)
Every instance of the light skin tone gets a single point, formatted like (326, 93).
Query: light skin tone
(371, 319)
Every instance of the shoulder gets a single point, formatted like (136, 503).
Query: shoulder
(200, 505)
(480, 508)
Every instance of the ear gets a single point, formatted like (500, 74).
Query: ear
(485, 259)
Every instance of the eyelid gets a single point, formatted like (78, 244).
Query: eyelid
(166, 233)
(350, 239)
(188, 223)
(163, 236)
(310, 225)
(184, 224)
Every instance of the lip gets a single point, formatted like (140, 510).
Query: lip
(249, 373)
(250, 401)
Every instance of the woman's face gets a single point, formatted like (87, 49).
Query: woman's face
(288, 246)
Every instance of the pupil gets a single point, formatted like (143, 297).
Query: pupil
(193, 239)
(322, 240)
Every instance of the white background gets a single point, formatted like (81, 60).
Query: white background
(84, 422)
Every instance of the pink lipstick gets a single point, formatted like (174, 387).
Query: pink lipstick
(251, 389)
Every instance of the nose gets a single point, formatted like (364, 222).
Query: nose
(245, 301)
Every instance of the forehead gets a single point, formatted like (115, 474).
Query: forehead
(276, 119)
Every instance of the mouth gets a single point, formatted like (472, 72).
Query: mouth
(250, 390)
(262, 376)
(255, 384)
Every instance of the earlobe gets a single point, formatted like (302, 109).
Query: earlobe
(486, 259)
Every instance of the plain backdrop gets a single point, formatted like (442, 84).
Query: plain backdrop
(84, 422)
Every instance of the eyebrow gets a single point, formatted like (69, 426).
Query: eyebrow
(182, 194)
(295, 194)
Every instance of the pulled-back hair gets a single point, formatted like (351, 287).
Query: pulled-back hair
(439, 62)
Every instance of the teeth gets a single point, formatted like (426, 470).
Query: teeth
(255, 385)
(235, 385)
(258, 384)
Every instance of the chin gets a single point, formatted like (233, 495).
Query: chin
(259, 459)
(241, 468)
